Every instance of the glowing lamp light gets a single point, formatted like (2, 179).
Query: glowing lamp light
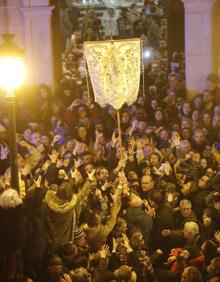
(11, 73)
(147, 54)
(12, 69)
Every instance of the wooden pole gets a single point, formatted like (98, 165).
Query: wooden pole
(119, 133)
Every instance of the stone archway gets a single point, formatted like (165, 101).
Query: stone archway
(216, 37)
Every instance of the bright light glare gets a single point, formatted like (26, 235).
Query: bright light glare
(12, 72)
(147, 54)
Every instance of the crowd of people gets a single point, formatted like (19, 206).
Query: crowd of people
(87, 211)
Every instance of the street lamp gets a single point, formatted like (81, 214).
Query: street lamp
(11, 77)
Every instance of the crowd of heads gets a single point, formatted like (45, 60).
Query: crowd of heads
(88, 209)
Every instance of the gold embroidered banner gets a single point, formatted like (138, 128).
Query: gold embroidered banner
(114, 69)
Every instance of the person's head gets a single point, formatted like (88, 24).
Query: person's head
(209, 216)
(44, 91)
(36, 138)
(79, 238)
(195, 116)
(173, 80)
(55, 266)
(216, 110)
(216, 121)
(27, 134)
(186, 133)
(164, 135)
(45, 139)
(123, 273)
(87, 158)
(88, 168)
(125, 117)
(199, 136)
(93, 219)
(133, 7)
(132, 176)
(136, 242)
(216, 201)
(158, 115)
(162, 43)
(186, 122)
(198, 101)
(121, 225)
(186, 109)
(156, 198)
(102, 174)
(154, 159)
(207, 119)
(190, 230)
(185, 208)
(80, 275)
(135, 202)
(154, 104)
(207, 96)
(203, 182)
(185, 146)
(81, 132)
(111, 111)
(147, 183)
(82, 113)
(172, 96)
(212, 81)
(191, 274)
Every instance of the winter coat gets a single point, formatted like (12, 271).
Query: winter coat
(61, 215)
(12, 231)
(137, 217)
(96, 236)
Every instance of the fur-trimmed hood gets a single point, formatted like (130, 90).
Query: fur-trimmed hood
(58, 205)
(10, 199)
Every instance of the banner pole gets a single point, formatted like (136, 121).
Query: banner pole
(119, 133)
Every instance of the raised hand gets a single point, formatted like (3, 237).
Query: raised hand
(217, 236)
(98, 135)
(105, 186)
(175, 140)
(26, 169)
(91, 175)
(59, 163)
(132, 142)
(156, 171)
(54, 156)
(38, 181)
(4, 152)
(77, 163)
(104, 252)
(46, 165)
(62, 174)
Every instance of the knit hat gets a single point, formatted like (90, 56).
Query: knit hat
(79, 234)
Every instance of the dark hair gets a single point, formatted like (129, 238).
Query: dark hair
(92, 220)
(156, 196)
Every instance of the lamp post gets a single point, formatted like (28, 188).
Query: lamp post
(11, 77)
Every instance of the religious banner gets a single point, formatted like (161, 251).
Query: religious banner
(114, 68)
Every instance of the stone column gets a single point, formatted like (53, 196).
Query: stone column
(38, 41)
(198, 42)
